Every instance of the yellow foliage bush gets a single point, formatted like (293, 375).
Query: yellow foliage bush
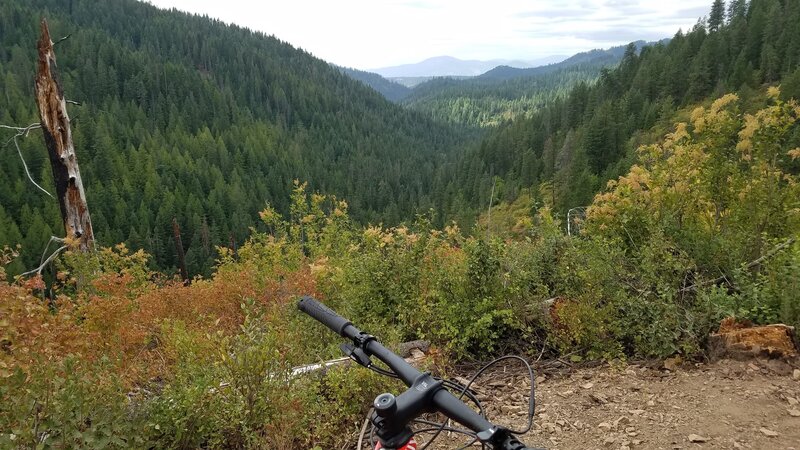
(725, 177)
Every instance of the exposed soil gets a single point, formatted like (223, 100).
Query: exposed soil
(726, 405)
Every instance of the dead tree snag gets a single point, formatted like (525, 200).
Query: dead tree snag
(58, 138)
(176, 231)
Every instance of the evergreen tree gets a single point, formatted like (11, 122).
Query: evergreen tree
(737, 10)
(716, 19)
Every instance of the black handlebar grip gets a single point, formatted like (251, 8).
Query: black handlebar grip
(323, 314)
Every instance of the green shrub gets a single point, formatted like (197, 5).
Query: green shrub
(237, 392)
(336, 404)
(765, 293)
(67, 405)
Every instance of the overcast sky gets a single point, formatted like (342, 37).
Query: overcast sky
(368, 34)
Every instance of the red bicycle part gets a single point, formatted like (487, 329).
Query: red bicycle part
(410, 445)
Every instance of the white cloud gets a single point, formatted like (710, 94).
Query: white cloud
(373, 33)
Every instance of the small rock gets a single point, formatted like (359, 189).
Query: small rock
(768, 432)
(510, 408)
(793, 401)
(540, 380)
(605, 425)
(598, 399)
(779, 367)
(621, 420)
(636, 412)
(697, 438)
(794, 413)
(587, 385)
(796, 374)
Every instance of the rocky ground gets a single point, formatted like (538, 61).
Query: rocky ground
(751, 404)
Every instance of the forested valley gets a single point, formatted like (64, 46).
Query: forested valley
(184, 117)
(505, 93)
(678, 167)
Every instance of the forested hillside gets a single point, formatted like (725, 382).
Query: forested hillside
(505, 93)
(391, 90)
(183, 116)
(566, 151)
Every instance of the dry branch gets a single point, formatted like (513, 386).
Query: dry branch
(750, 265)
(23, 132)
(47, 259)
(44, 263)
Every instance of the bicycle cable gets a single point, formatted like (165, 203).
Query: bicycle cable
(464, 391)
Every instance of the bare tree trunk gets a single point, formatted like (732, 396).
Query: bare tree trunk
(58, 138)
(233, 248)
(176, 231)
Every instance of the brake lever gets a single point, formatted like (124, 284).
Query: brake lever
(356, 354)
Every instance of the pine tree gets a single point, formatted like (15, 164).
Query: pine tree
(737, 10)
(716, 19)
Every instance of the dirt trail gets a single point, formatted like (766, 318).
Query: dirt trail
(727, 405)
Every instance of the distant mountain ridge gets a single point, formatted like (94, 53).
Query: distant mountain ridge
(441, 66)
(505, 92)
(608, 56)
(396, 87)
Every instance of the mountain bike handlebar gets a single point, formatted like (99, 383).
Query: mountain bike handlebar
(425, 394)
(325, 316)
